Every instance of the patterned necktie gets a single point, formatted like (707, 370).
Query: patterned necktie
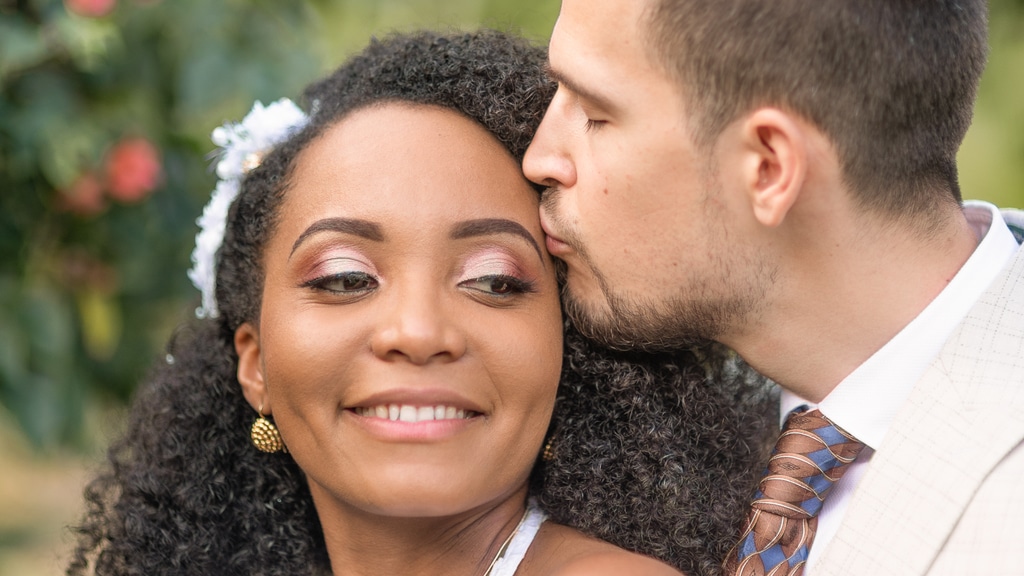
(811, 454)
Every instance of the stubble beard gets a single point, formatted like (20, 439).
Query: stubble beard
(637, 322)
(705, 307)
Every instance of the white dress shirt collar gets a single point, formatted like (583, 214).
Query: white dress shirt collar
(866, 401)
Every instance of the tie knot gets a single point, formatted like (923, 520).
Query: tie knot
(811, 454)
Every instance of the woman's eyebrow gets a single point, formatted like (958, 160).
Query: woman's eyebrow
(491, 226)
(354, 226)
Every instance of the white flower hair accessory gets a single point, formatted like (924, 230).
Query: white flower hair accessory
(242, 147)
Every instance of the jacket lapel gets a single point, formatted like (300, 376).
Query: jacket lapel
(962, 417)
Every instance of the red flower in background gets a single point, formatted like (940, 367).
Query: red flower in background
(133, 169)
(85, 196)
(90, 8)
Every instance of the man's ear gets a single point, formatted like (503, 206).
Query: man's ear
(250, 368)
(774, 163)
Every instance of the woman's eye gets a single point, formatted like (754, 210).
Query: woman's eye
(498, 285)
(344, 283)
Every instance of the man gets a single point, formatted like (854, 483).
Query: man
(779, 175)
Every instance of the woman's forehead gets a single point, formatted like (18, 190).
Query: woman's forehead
(416, 161)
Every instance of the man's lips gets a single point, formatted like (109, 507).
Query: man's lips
(556, 246)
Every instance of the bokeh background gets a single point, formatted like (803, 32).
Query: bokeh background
(105, 111)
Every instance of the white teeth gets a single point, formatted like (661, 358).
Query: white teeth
(410, 413)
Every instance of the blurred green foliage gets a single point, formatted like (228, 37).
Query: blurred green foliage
(991, 159)
(102, 122)
(105, 111)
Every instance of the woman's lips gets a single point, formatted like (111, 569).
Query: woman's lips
(418, 424)
(414, 414)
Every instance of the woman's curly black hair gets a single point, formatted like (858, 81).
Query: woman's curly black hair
(655, 453)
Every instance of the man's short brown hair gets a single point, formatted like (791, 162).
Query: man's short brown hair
(891, 82)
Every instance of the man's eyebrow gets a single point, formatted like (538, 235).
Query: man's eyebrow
(491, 226)
(353, 226)
(578, 89)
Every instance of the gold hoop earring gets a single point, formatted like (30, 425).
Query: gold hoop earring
(265, 436)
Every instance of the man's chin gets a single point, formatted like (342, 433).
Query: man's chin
(622, 328)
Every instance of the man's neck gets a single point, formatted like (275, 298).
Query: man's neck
(844, 296)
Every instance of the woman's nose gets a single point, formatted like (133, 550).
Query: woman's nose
(548, 160)
(416, 328)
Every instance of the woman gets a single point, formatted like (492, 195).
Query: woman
(382, 294)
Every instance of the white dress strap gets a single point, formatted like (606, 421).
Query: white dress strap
(520, 543)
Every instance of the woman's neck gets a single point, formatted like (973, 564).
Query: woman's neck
(360, 543)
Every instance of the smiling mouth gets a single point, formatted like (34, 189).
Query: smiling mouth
(411, 413)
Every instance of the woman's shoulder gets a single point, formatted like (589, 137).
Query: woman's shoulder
(562, 551)
(615, 563)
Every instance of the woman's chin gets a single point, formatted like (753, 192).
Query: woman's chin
(423, 493)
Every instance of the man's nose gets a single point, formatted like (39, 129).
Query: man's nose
(548, 160)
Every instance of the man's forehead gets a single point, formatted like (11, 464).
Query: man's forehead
(601, 23)
(597, 44)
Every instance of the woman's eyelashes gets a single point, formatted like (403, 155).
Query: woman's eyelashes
(348, 283)
(492, 280)
(342, 276)
(498, 285)
(495, 277)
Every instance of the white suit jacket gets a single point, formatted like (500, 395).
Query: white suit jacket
(944, 492)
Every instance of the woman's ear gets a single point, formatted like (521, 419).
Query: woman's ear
(775, 163)
(250, 368)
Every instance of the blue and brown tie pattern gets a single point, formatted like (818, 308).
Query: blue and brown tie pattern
(811, 454)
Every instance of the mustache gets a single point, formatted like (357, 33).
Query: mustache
(548, 199)
(562, 229)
